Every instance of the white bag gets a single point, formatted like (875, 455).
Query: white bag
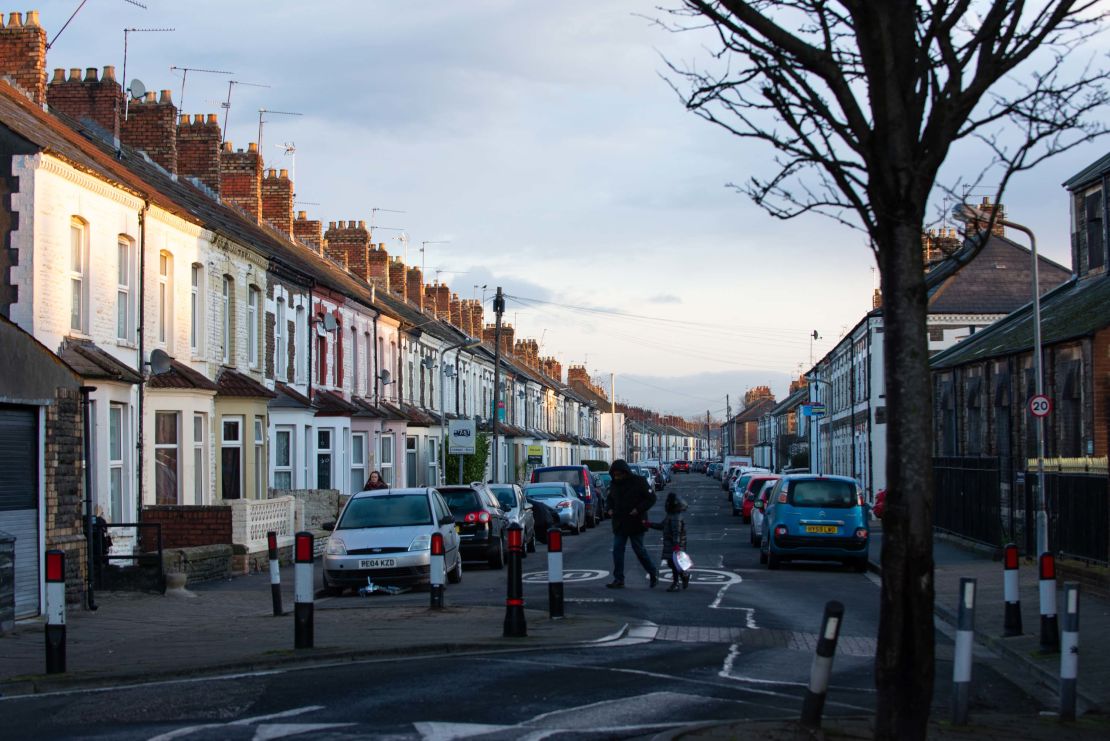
(683, 560)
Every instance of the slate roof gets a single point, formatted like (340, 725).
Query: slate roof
(796, 398)
(367, 409)
(287, 397)
(90, 361)
(1088, 173)
(181, 376)
(233, 383)
(997, 281)
(755, 411)
(330, 404)
(1075, 309)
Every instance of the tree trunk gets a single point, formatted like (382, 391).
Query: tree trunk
(904, 664)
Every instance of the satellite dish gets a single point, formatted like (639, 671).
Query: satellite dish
(330, 324)
(137, 89)
(449, 371)
(428, 363)
(160, 362)
(385, 378)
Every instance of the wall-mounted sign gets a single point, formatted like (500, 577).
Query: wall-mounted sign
(461, 435)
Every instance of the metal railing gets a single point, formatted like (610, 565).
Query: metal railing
(141, 569)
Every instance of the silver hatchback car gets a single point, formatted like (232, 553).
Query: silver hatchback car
(386, 535)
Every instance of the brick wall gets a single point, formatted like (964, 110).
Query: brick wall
(99, 100)
(1100, 368)
(64, 488)
(308, 231)
(151, 125)
(398, 283)
(198, 149)
(489, 332)
(455, 309)
(241, 178)
(351, 241)
(277, 200)
(189, 526)
(23, 54)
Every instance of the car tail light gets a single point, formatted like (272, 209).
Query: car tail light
(562, 505)
(780, 530)
(480, 516)
(861, 533)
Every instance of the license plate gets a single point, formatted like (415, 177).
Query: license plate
(377, 563)
(830, 529)
(458, 529)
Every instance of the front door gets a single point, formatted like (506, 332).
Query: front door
(231, 458)
(411, 469)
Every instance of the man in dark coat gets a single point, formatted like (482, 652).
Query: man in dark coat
(629, 501)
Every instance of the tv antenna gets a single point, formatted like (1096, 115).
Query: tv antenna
(374, 212)
(424, 245)
(227, 104)
(262, 112)
(131, 89)
(185, 74)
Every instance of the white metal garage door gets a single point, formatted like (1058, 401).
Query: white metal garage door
(19, 500)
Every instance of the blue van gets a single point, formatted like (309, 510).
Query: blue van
(815, 518)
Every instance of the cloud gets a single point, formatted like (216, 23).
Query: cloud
(665, 298)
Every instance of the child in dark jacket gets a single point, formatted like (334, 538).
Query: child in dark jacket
(674, 538)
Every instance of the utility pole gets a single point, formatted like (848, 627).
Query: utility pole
(498, 310)
(708, 438)
(612, 418)
(728, 424)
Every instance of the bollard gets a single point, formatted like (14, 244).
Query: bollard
(515, 626)
(436, 571)
(965, 639)
(55, 612)
(1010, 593)
(303, 606)
(1050, 628)
(555, 573)
(821, 671)
(1069, 651)
(275, 571)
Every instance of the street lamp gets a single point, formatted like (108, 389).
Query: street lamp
(469, 342)
(971, 215)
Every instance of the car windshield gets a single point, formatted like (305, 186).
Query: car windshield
(604, 478)
(742, 482)
(823, 493)
(462, 500)
(505, 495)
(570, 476)
(400, 510)
(547, 492)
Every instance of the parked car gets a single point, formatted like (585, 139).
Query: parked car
(744, 493)
(810, 517)
(660, 481)
(758, 508)
(561, 497)
(602, 482)
(681, 467)
(580, 479)
(386, 535)
(519, 511)
(544, 515)
(648, 475)
(481, 522)
(880, 504)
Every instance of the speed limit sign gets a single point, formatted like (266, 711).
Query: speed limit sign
(1040, 405)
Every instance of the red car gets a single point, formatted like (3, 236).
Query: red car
(681, 467)
(755, 483)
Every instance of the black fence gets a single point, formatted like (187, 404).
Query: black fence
(139, 571)
(967, 498)
(1078, 514)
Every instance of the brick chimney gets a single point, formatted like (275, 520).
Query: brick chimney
(350, 238)
(756, 394)
(277, 200)
(377, 262)
(198, 149)
(552, 368)
(23, 54)
(308, 231)
(876, 299)
(578, 373)
(443, 301)
(241, 178)
(477, 316)
(397, 282)
(87, 98)
(431, 295)
(414, 287)
(455, 310)
(801, 382)
(151, 126)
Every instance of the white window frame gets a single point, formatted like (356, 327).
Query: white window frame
(226, 324)
(281, 471)
(386, 458)
(259, 457)
(200, 453)
(175, 446)
(358, 461)
(196, 307)
(78, 275)
(165, 299)
(124, 323)
(117, 453)
(254, 300)
(281, 356)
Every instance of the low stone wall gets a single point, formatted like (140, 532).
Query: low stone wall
(200, 563)
(314, 506)
(188, 526)
(256, 562)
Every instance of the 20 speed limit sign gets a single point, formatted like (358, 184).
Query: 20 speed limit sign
(1040, 405)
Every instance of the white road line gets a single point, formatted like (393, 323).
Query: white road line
(273, 731)
(283, 714)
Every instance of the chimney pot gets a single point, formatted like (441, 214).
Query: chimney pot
(32, 18)
(197, 118)
(109, 73)
(301, 215)
(149, 97)
(74, 74)
(59, 75)
(283, 173)
(227, 146)
(331, 225)
(165, 97)
(183, 119)
(15, 20)
(351, 224)
(252, 147)
(90, 74)
(361, 224)
(211, 118)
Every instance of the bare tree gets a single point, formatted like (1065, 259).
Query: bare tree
(863, 101)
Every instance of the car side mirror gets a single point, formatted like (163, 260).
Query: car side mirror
(759, 504)
(447, 520)
(328, 526)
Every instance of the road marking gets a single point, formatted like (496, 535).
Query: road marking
(730, 660)
(265, 731)
(589, 600)
(569, 575)
(434, 731)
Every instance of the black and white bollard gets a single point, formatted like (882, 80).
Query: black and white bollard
(1050, 627)
(275, 571)
(819, 674)
(965, 640)
(303, 605)
(1069, 651)
(555, 573)
(1010, 593)
(55, 612)
(436, 571)
(515, 626)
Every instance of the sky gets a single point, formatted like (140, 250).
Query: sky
(534, 146)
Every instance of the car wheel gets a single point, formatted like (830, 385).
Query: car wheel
(580, 527)
(331, 590)
(860, 564)
(455, 576)
(590, 521)
(773, 561)
(497, 558)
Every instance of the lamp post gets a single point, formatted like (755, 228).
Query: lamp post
(469, 342)
(971, 215)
